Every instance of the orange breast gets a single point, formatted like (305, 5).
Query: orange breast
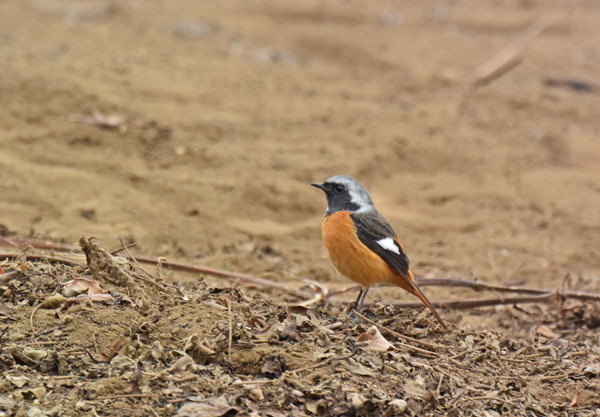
(349, 255)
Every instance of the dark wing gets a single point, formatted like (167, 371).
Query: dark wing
(375, 232)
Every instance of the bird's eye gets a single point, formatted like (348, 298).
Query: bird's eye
(339, 188)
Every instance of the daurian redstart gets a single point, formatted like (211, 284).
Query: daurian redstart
(361, 243)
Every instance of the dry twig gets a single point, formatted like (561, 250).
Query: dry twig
(467, 304)
(230, 338)
(38, 257)
(21, 243)
(221, 273)
(324, 363)
(401, 336)
(36, 308)
(507, 58)
(150, 279)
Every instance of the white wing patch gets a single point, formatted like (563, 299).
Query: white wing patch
(389, 244)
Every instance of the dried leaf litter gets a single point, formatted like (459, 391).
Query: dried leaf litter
(149, 347)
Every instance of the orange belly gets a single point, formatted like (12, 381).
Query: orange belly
(350, 256)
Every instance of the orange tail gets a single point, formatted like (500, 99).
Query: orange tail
(410, 284)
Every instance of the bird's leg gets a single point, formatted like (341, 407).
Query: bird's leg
(359, 302)
(361, 299)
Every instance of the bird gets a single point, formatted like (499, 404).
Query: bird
(362, 244)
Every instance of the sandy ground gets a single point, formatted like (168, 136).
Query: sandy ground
(195, 128)
(224, 112)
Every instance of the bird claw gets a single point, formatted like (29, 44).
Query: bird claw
(352, 315)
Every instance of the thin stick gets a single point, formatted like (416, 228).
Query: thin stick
(221, 273)
(122, 248)
(130, 256)
(8, 275)
(149, 408)
(38, 257)
(432, 346)
(488, 398)
(321, 294)
(466, 304)
(150, 279)
(324, 363)
(474, 285)
(454, 282)
(537, 295)
(457, 397)
(230, 338)
(31, 323)
(116, 397)
(424, 352)
(439, 385)
(95, 345)
(20, 243)
(507, 58)
(216, 272)
(2, 335)
(253, 382)
(504, 60)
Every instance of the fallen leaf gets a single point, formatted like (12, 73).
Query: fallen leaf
(592, 370)
(574, 401)
(273, 366)
(357, 368)
(35, 354)
(123, 362)
(33, 393)
(469, 342)
(399, 406)
(34, 411)
(7, 404)
(545, 331)
(209, 407)
(18, 381)
(255, 322)
(52, 301)
(290, 332)
(415, 388)
(357, 400)
(108, 121)
(6, 309)
(98, 298)
(256, 394)
(296, 309)
(271, 412)
(82, 285)
(103, 357)
(375, 340)
(182, 364)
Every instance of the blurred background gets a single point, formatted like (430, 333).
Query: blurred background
(195, 127)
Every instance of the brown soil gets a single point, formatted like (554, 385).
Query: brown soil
(211, 119)
(153, 348)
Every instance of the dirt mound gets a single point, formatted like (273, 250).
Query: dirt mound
(105, 337)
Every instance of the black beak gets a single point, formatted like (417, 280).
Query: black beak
(318, 185)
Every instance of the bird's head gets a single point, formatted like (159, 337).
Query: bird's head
(345, 194)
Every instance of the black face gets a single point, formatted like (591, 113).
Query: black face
(338, 197)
